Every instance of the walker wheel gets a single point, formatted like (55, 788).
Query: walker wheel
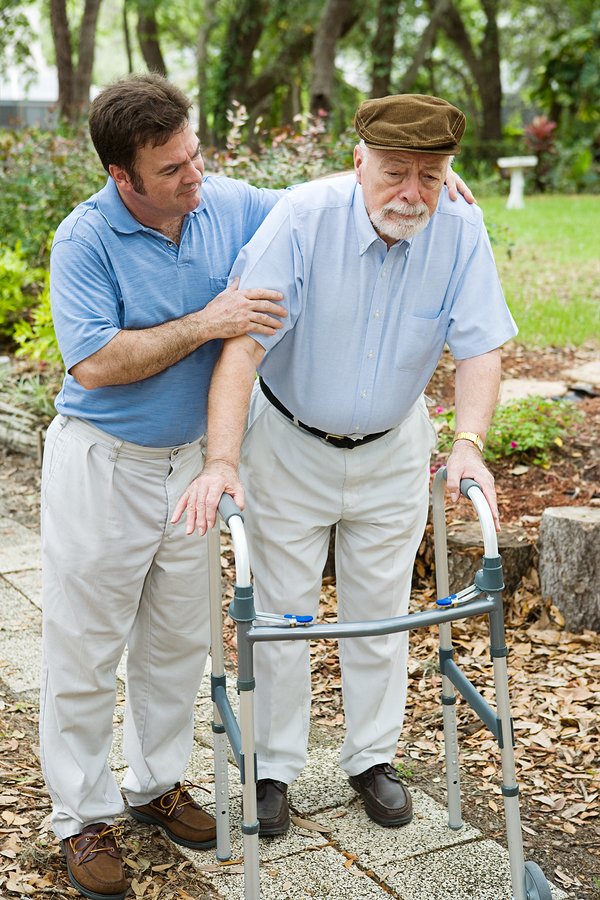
(536, 883)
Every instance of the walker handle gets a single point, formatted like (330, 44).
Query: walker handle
(228, 508)
(465, 483)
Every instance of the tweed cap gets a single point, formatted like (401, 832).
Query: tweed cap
(413, 122)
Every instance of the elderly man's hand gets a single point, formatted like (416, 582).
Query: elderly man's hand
(465, 462)
(201, 500)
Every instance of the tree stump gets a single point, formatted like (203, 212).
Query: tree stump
(569, 564)
(465, 550)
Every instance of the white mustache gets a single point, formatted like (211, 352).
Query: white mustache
(405, 209)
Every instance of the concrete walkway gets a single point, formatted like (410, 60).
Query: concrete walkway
(349, 857)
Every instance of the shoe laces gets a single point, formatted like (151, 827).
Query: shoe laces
(91, 841)
(178, 797)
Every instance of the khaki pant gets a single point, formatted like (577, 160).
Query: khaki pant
(116, 574)
(297, 487)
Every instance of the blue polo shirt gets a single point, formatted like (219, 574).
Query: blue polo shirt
(367, 325)
(108, 272)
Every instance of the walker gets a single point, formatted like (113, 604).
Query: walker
(483, 597)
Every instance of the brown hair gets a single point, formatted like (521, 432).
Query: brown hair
(134, 112)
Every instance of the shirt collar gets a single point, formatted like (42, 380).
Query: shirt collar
(118, 216)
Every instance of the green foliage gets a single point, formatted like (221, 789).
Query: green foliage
(286, 156)
(35, 336)
(33, 391)
(42, 177)
(17, 285)
(404, 771)
(15, 38)
(527, 430)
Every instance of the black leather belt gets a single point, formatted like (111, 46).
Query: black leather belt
(336, 440)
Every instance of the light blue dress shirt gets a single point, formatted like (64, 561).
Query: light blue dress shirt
(109, 272)
(367, 326)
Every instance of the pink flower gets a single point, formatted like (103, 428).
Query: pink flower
(439, 409)
(513, 444)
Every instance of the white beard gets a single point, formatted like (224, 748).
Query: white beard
(385, 222)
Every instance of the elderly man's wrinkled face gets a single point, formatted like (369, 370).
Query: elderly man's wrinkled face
(400, 189)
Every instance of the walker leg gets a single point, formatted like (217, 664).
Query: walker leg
(455, 820)
(218, 672)
(250, 824)
(510, 790)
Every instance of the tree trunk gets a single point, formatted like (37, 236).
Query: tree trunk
(85, 55)
(485, 69)
(204, 32)
(382, 48)
(63, 52)
(73, 80)
(426, 45)
(331, 24)
(127, 38)
(148, 39)
(235, 65)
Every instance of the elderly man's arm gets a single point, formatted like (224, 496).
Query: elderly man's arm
(228, 402)
(133, 355)
(476, 393)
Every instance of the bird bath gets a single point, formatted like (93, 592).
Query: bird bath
(516, 166)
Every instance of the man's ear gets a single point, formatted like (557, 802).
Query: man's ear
(358, 163)
(120, 177)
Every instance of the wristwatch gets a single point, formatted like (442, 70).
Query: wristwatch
(469, 436)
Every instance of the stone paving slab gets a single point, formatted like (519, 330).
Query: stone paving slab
(20, 648)
(19, 547)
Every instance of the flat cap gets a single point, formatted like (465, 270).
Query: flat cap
(415, 122)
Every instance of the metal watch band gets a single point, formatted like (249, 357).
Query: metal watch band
(469, 436)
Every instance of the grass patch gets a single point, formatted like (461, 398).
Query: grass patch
(547, 256)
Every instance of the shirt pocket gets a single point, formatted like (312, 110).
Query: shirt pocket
(420, 342)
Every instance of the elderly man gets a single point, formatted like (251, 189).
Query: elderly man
(378, 270)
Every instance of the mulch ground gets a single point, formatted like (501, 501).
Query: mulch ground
(554, 686)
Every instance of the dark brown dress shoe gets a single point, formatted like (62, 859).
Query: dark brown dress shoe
(387, 800)
(273, 811)
(181, 818)
(94, 862)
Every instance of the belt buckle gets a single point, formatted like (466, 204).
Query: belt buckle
(337, 437)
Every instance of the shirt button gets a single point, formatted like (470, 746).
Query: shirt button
(370, 354)
(376, 314)
(363, 394)
(170, 244)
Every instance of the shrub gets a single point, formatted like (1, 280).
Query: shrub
(527, 430)
(42, 177)
(18, 282)
(35, 336)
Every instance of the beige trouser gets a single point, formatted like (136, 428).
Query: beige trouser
(297, 487)
(116, 573)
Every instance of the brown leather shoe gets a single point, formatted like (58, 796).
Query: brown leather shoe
(387, 800)
(181, 818)
(273, 812)
(94, 862)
